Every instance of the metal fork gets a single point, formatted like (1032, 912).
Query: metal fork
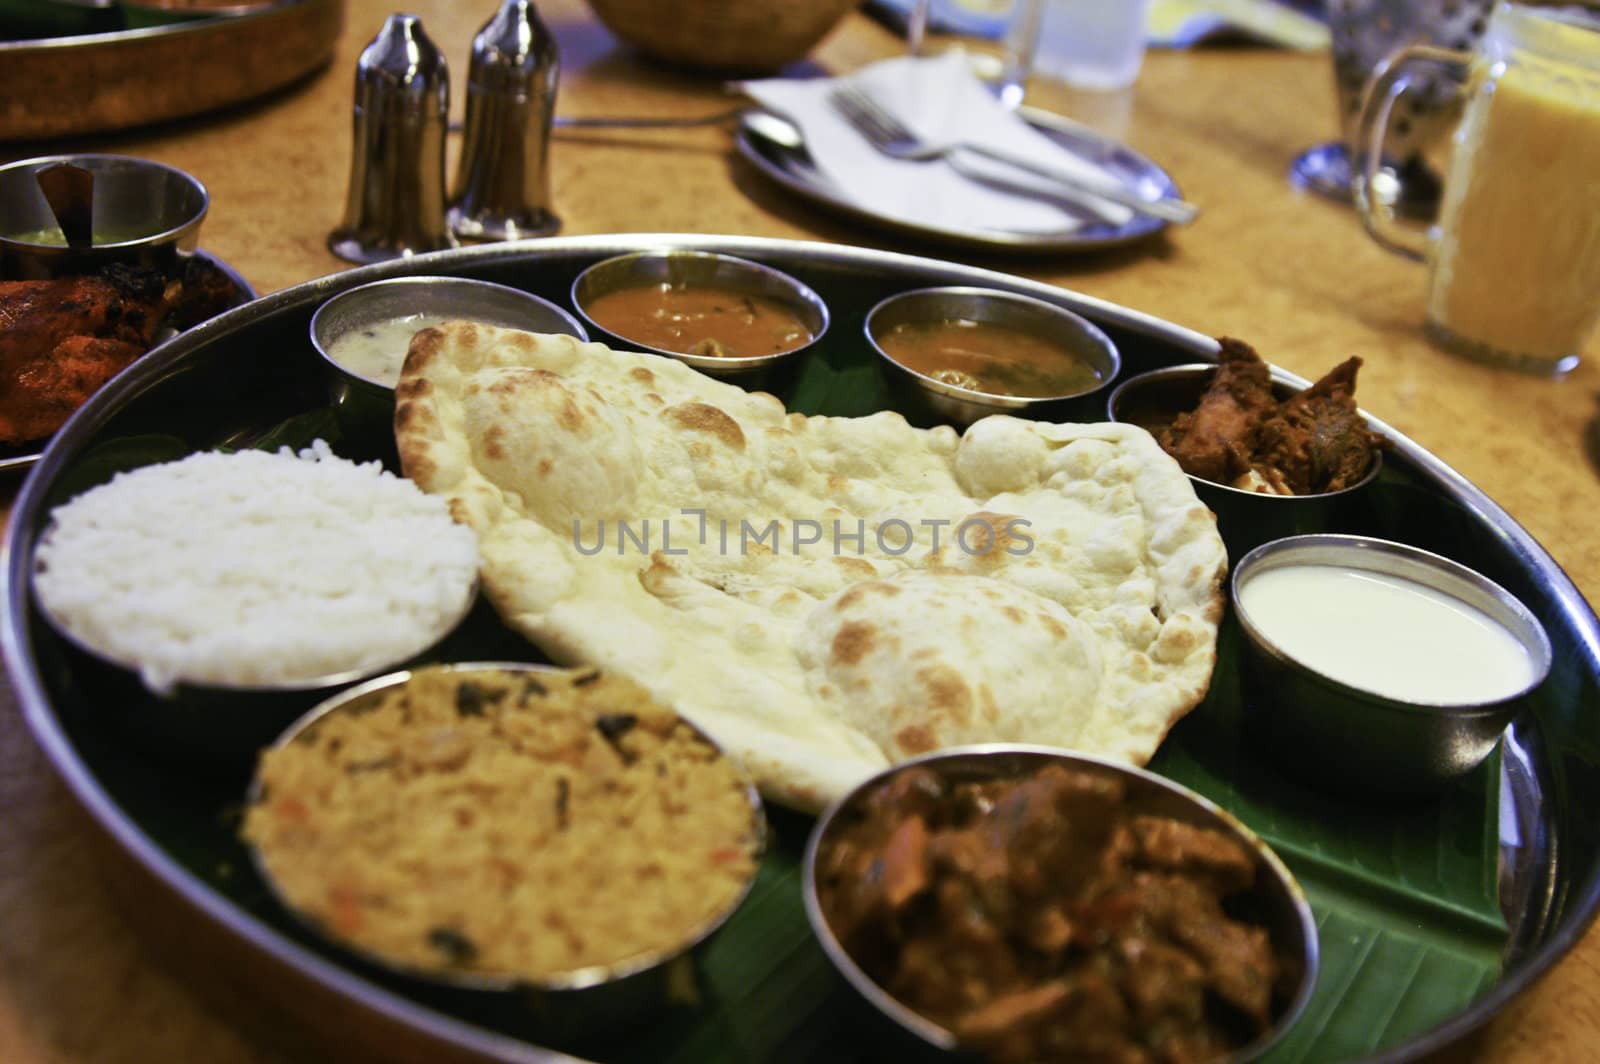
(889, 135)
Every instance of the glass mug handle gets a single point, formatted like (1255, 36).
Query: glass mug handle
(1387, 84)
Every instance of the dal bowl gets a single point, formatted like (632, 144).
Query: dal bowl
(1376, 667)
(1245, 518)
(688, 304)
(948, 354)
(1034, 830)
(596, 839)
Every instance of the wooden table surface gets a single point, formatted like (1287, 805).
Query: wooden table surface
(1291, 273)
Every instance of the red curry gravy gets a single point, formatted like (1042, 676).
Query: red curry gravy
(994, 359)
(700, 320)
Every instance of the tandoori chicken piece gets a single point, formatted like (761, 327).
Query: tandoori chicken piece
(1217, 439)
(1316, 441)
(60, 340)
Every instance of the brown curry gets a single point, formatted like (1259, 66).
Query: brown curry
(1042, 919)
(697, 319)
(989, 358)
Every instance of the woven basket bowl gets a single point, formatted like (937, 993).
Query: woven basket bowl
(725, 36)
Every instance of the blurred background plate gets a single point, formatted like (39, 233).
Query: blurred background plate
(84, 81)
(774, 146)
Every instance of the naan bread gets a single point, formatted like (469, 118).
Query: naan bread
(776, 577)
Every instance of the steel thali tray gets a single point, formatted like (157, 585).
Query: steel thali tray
(1433, 914)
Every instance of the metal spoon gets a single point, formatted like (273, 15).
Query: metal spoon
(69, 190)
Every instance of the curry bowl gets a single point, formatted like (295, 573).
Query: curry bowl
(1245, 518)
(1376, 667)
(532, 771)
(1065, 851)
(141, 213)
(961, 353)
(724, 315)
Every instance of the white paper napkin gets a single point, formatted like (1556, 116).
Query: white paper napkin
(941, 100)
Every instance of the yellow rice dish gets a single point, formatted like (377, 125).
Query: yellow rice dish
(505, 823)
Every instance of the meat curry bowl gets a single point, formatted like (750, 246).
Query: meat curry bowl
(957, 354)
(553, 837)
(1022, 903)
(1301, 461)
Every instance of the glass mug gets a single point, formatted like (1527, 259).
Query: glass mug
(1515, 255)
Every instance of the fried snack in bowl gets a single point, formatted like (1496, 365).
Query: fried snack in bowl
(1270, 458)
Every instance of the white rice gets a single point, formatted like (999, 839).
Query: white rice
(255, 569)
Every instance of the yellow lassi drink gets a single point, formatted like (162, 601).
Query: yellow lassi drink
(1516, 269)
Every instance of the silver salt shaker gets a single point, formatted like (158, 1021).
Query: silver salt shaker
(396, 203)
(503, 185)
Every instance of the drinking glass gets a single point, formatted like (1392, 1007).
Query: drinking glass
(1015, 23)
(1363, 32)
(1096, 45)
(1514, 275)
(1091, 44)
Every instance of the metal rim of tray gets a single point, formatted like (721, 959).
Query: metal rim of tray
(1581, 901)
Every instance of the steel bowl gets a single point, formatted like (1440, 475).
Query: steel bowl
(1245, 519)
(568, 1005)
(1275, 901)
(962, 406)
(679, 266)
(364, 405)
(144, 214)
(1355, 740)
(217, 725)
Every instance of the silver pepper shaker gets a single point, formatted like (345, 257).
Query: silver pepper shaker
(503, 186)
(396, 203)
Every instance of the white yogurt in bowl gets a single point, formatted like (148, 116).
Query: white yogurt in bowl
(365, 332)
(1387, 634)
(1375, 668)
(377, 349)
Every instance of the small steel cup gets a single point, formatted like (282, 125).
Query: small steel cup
(706, 268)
(929, 398)
(215, 726)
(144, 213)
(1245, 519)
(1356, 741)
(365, 407)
